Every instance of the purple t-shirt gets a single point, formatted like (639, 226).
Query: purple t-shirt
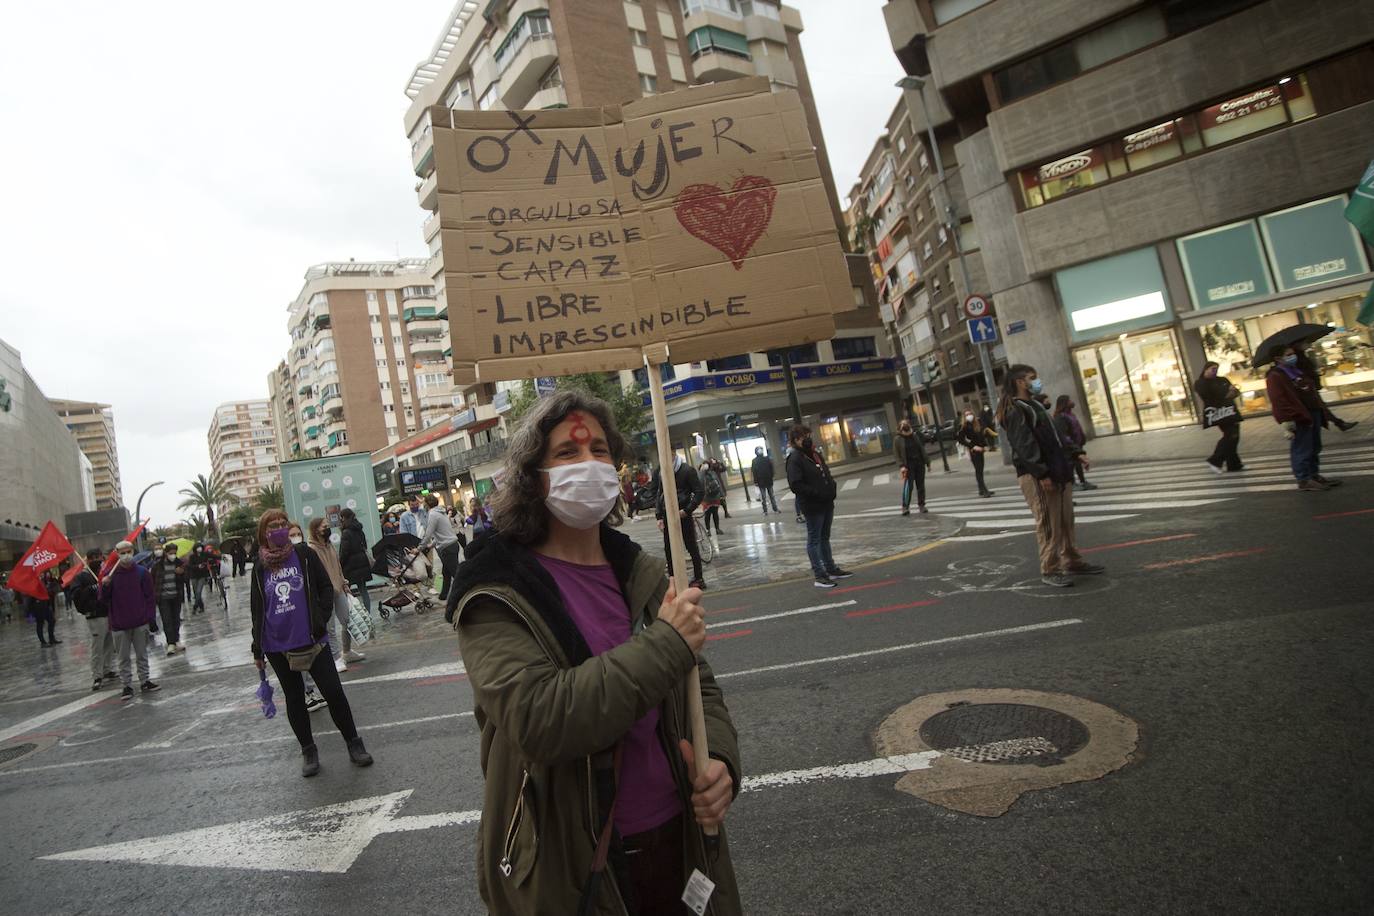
(648, 795)
(286, 614)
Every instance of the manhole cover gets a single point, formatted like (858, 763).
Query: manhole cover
(15, 751)
(1004, 733)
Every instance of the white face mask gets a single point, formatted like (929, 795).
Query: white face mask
(582, 494)
(296, 539)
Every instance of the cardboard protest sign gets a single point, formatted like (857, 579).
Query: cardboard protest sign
(572, 239)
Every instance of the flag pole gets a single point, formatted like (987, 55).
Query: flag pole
(654, 358)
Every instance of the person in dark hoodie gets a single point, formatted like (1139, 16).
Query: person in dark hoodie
(353, 555)
(169, 575)
(1219, 402)
(291, 600)
(689, 495)
(577, 649)
(809, 477)
(128, 591)
(85, 592)
(199, 571)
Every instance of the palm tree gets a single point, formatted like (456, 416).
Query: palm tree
(206, 494)
(196, 528)
(270, 497)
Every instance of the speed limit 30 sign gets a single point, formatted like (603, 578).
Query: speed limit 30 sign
(976, 306)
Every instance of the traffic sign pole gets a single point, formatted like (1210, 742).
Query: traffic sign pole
(976, 306)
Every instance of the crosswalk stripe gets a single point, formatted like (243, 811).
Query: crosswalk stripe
(881, 480)
(850, 484)
(1079, 511)
(1030, 522)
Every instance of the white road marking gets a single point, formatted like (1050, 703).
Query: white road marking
(1009, 631)
(850, 484)
(446, 669)
(1081, 510)
(1079, 519)
(881, 480)
(880, 766)
(989, 537)
(31, 724)
(169, 737)
(801, 610)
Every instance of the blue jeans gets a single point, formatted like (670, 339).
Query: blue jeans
(1304, 449)
(818, 522)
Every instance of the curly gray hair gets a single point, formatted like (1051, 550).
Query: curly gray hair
(517, 507)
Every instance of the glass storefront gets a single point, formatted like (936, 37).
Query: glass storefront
(1136, 382)
(869, 435)
(1345, 357)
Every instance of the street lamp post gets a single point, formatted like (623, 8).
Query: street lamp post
(138, 508)
(951, 223)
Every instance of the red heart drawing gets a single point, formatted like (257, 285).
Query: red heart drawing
(729, 221)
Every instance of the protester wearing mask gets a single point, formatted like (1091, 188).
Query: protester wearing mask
(762, 469)
(198, 568)
(913, 464)
(811, 482)
(353, 556)
(291, 602)
(689, 494)
(576, 648)
(127, 591)
(1072, 436)
(340, 640)
(974, 436)
(1298, 408)
(1219, 397)
(169, 573)
(439, 535)
(85, 592)
(1044, 472)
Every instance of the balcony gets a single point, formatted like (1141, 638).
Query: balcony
(552, 97)
(712, 66)
(331, 401)
(427, 347)
(520, 77)
(419, 312)
(335, 426)
(312, 433)
(304, 389)
(431, 226)
(427, 191)
(478, 454)
(320, 320)
(308, 412)
(425, 329)
(422, 151)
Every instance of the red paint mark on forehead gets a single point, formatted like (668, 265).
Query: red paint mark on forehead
(580, 432)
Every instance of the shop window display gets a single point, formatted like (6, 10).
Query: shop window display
(869, 436)
(1135, 383)
(1345, 357)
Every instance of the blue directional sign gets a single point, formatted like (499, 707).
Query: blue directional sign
(982, 330)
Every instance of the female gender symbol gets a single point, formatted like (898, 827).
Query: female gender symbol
(522, 125)
(580, 432)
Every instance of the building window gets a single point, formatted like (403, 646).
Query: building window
(639, 38)
(648, 83)
(1063, 62)
(378, 341)
(944, 320)
(709, 38)
(372, 297)
(488, 99)
(1241, 116)
(552, 79)
(854, 348)
(721, 6)
(729, 363)
(798, 355)
(953, 357)
(534, 24)
(901, 145)
(760, 8)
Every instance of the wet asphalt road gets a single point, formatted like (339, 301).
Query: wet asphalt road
(1236, 634)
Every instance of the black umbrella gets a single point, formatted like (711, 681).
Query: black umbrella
(1298, 335)
(390, 541)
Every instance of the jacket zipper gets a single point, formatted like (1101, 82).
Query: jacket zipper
(516, 817)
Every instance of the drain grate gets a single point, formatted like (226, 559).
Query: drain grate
(1004, 733)
(15, 751)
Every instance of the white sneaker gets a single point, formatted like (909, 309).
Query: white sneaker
(1214, 469)
(352, 655)
(171, 650)
(340, 665)
(314, 702)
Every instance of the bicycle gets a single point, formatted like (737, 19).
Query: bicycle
(704, 544)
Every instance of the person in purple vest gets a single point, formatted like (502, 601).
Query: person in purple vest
(291, 601)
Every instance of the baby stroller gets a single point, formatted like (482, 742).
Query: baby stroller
(397, 557)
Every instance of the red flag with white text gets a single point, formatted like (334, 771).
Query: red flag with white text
(51, 548)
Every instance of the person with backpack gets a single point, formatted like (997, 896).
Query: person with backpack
(169, 576)
(1044, 471)
(713, 494)
(85, 592)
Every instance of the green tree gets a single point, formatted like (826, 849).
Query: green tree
(269, 497)
(196, 528)
(240, 521)
(205, 494)
(628, 409)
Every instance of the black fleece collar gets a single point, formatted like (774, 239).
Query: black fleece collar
(497, 560)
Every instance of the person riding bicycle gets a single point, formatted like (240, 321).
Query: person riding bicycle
(689, 494)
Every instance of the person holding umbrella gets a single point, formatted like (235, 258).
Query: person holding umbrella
(577, 648)
(1295, 402)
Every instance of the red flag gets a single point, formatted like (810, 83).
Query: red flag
(113, 558)
(70, 575)
(50, 549)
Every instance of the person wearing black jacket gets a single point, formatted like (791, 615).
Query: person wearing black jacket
(689, 494)
(291, 601)
(809, 477)
(913, 463)
(353, 555)
(169, 576)
(763, 479)
(198, 570)
(974, 437)
(1219, 402)
(1044, 471)
(85, 592)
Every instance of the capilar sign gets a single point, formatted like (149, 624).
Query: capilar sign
(572, 239)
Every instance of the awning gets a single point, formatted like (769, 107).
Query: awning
(483, 425)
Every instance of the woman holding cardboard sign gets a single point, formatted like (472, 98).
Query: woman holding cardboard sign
(1219, 411)
(577, 649)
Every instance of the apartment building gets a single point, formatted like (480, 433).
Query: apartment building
(93, 426)
(913, 229)
(1157, 184)
(366, 366)
(243, 448)
(522, 54)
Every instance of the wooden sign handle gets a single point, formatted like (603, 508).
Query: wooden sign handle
(668, 482)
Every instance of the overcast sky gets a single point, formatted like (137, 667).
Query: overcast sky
(171, 169)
